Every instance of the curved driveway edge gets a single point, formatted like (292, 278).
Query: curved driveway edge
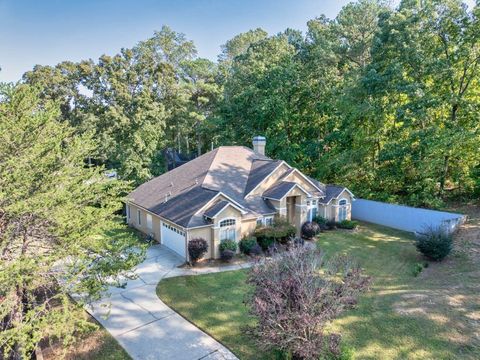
(145, 326)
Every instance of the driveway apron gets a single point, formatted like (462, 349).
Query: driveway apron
(146, 327)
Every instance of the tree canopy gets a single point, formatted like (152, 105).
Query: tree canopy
(379, 99)
(59, 234)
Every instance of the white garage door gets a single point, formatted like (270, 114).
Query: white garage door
(174, 239)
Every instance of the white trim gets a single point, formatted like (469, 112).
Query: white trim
(265, 218)
(306, 178)
(227, 218)
(335, 198)
(266, 177)
(288, 192)
(300, 205)
(226, 205)
(215, 197)
(228, 228)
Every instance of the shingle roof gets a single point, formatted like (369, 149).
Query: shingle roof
(259, 170)
(181, 193)
(331, 192)
(215, 208)
(278, 190)
(181, 209)
(189, 187)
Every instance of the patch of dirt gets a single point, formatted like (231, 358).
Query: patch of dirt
(448, 292)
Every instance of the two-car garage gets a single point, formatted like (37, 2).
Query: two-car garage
(173, 238)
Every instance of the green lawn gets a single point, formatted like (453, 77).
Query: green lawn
(432, 316)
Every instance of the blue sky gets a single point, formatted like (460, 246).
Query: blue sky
(49, 31)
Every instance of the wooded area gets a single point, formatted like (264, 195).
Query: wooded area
(384, 101)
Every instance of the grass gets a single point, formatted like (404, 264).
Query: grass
(433, 314)
(95, 345)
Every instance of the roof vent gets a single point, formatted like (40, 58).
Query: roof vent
(259, 143)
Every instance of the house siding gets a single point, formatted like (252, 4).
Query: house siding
(331, 210)
(272, 179)
(204, 233)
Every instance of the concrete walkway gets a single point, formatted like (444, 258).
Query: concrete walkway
(145, 326)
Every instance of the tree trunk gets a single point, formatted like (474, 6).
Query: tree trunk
(443, 177)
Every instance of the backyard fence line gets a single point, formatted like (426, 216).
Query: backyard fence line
(405, 218)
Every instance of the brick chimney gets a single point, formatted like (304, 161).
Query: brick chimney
(259, 144)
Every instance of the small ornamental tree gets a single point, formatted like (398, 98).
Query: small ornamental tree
(196, 249)
(310, 229)
(292, 301)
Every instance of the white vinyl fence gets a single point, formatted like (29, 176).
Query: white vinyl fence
(404, 217)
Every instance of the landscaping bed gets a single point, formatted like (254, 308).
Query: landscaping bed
(406, 314)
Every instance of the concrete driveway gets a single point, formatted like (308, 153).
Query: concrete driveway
(144, 325)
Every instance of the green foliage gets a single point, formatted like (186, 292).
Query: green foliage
(228, 245)
(320, 220)
(246, 244)
(263, 237)
(347, 224)
(434, 243)
(58, 232)
(144, 99)
(381, 100)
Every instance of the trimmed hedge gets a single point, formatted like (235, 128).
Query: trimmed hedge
(228, 245)
(347, 224)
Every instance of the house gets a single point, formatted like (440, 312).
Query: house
(225, 194)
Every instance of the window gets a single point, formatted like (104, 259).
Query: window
(314, 213)
(259, 222)
(128, 211)
(342, 210)
(139, 217)
(227, 222)
(269, 221)
(227, 229)
(149, 221)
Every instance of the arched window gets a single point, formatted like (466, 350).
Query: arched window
(227, 222)
(342, 209)
(227, 229)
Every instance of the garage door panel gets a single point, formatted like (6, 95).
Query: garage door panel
(174, 239)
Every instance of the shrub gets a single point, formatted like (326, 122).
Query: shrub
(197, 248)
(347, 224)
(292, 284)
(310, 229)
(263, 236)
(228, 245)
(417, 269)
(256, 250)
(320, 220)
(246, 244)
(330, 225)
(435, 243)
(227, 255)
